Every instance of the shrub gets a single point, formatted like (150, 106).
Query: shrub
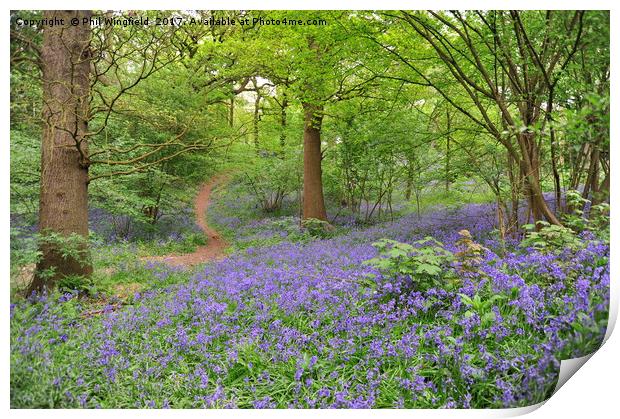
(470, 254)
(415, 268)
(550, 238)
(597, 220)
(317, 228)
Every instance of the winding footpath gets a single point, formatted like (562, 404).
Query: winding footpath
(214, 249)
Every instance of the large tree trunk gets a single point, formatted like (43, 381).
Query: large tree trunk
(63, 206)
(313, 201)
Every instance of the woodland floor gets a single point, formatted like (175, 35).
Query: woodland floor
(214, 249)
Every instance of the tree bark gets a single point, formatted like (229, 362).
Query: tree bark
(255, 123)
(554, 158)
(63, 207)
(408, 186)
(283, 122)
(590, 189)
(530, 166)
(604, 190)
(313, 201)
(448, 121)
(231, 112)
(515, 192)
(556, 174)
(256, 118)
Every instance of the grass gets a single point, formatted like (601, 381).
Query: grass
(456, 197)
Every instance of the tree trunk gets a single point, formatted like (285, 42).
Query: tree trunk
(556, 173)
(604, 190)
(515, 193)
(530, 166)
(231, 112)
(314, 204)
(417, 203)
(590, 189)
(256, 120)
(448, 151)
(554, 156)
(283, 123)
(501, 220)
(63, 207)
(408, 186)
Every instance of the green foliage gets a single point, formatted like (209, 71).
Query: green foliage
(317, 228)
(575, 219)
(550, 238)
(482, 304)
(398, 133)
(73, 246)
(24, 248)
(188, 244)
(270, 179)
(25, 172)
(458, 195)
(77, 283)
(426, 263)
(597, 221)
(470, 254)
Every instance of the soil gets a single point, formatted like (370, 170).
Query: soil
(216, 245)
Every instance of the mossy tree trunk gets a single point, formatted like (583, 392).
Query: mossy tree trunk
(63, 210)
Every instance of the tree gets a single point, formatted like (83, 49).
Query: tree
(313, 202)
(87, 72)
(496, 60)
(583, 128)
(63, 207)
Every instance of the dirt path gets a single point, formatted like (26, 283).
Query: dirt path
(214, 249)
